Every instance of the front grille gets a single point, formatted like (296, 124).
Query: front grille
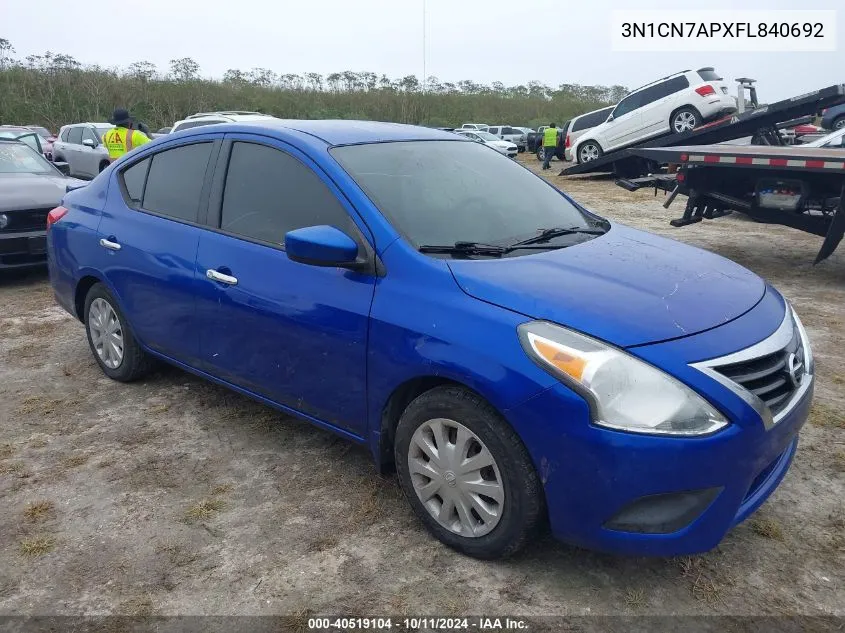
(26, 220)
(773, 378)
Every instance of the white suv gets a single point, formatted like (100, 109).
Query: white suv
(677, 103)
(210, 118)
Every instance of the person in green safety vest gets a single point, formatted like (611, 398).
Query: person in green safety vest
(549, 144)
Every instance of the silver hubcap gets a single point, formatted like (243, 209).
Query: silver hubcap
(589, 152)
(839, 124)
(456, 477)
(684, 121)
(106, 333)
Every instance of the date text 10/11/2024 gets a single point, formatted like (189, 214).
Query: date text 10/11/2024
(416, 623)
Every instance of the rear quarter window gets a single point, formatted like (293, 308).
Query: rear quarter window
(591, 120)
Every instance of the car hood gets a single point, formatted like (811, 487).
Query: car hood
(626, 287)
(32, 191)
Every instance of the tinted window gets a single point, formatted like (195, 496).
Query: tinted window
(133, 180)
(709, 75)
(676, 84)
(175, 181)
(64, 134)
(509, 130)
(628, 104)
(269, 193)
(75, 135)
(591, 120)
(494, 130)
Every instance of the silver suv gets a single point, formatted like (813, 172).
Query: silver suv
(509, 133)
(210, 118)
(80, 145)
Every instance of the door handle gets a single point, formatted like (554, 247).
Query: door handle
(221, 277)
(112, 246)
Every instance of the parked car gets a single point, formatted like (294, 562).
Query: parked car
(833, 118)
(503, 147)
(675, 104)
(44, 138)
(392, 284)
(80, 145)
(581, 124)
(211, 118)
(511, 134)
(535, 141)
(475, 126)
(30, 186)
(835, 139)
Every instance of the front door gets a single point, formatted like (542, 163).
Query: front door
(626, 121)
(293, 333)
(149, 234)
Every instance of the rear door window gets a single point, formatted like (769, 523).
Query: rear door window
(269, 193)
(75, 136)
(628, 104)
(175, 181)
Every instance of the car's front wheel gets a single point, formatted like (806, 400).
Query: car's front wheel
(467, 474)
(111, 339)
(839, 123)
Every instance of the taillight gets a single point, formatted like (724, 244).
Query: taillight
(705, 90)
(568, 142)
(55, 215)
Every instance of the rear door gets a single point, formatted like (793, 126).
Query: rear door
(292, 333)
(149, 233)
(89, 157)
(658, 103)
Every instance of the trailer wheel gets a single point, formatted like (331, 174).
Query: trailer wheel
(685, 119)
(589, 150)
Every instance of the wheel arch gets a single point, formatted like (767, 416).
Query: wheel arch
(395, 405)
(685, 107)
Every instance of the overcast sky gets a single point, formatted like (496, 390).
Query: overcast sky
(553, 41)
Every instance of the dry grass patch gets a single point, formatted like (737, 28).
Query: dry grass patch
(826, 416)
(635, 598)
(38, 442)
(11, 468)
(205, 509)
(767, 528)
(222, 489)
(37, 328)
(26, 351)
(298, 621)
(37, 545)
(44, 405)
(74, 461)
(38, 511)
(323, 543)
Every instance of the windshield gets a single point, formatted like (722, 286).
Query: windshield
(102, 130)
(442, 192)
(487, 136)
(16, 158)
(41, 131)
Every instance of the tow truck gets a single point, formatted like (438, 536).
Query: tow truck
(796, 186)
(761, 123)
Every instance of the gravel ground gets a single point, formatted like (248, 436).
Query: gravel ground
(173, 496)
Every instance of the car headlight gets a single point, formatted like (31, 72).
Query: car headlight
(623, 392)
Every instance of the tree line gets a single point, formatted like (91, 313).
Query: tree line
(53, 89)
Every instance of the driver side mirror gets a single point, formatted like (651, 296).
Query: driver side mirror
(323, 246)
(87, 142)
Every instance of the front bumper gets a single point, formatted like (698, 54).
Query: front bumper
(592, 475)
(23, 249)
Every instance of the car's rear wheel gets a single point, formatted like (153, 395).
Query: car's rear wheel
(111, 339)
(589, 150)
(467, 474)
(685, 120)
(839, 123)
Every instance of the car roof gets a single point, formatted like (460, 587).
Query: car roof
(592, 112)
(338, 132)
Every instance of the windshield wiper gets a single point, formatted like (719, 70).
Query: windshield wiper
(465, 248)
(546, 235)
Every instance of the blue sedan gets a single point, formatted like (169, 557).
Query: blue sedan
(519, 360)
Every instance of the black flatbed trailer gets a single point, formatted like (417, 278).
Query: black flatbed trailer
(799, 187)
(761, 123)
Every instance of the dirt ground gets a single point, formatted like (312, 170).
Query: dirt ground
(174, 496)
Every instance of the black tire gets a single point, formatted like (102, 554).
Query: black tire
(585, 145)
(524, 504)
(135, 362)
(688, 113)
(541, 153)
(838, 123)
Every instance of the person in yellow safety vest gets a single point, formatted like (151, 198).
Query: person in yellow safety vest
(549, 144)
(121, 139)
